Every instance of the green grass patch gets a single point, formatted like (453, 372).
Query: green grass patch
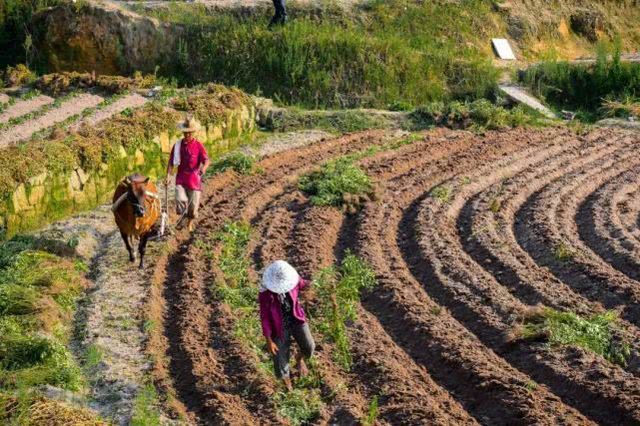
(339, 292)
(596, 333)
(594, 91)
(441, 193)
(299, 406)
(479, 115)
(563, 252)
(386, 53)
(145, 407)
(238, 161)
(339, 122)
(38, 291)
(335, 179)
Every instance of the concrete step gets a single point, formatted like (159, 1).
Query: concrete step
(520, 95)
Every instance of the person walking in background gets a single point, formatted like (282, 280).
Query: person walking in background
(191, 159)
(283, 318)
(280, 17)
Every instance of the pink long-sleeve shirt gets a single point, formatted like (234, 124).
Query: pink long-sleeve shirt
(271, 312)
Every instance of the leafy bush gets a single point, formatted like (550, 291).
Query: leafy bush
(339, 293)
(335, 179)
(595, 333)
(238, 161)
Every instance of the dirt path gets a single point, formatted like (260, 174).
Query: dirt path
(23, 107)
(65, 110)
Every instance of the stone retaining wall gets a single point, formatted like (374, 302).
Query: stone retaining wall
(50, 196)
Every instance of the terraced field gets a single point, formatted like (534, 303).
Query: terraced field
(30, 117)
(464, 242)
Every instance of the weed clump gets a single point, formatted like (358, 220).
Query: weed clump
(596, 333)
(478, 115)
(18, 75)
(299, 406)
(210, 105)
(339, 292)
(563, 252)
(237, 161)
(336, 183)
(63, 82)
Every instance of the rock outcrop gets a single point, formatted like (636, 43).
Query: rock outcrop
(103, 38)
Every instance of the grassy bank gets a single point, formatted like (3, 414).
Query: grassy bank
(38, 291)
(611, 87)
(389, 53)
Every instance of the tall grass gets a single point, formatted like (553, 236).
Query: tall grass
(395, 51)
(585, 88)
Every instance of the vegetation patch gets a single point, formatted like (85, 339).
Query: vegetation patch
(237, 161)
(17, 76)
(336, 183)
(591, 90)
(339, 292)
(344, 121)
(479, 115)
(211, 104)
(388, 53)
(597, 333)
(38, 291)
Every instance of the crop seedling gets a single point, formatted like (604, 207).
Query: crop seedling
(145, 411)
(563, 252)
(239, 162)
(441, 193)
(596, 333)
(372, 414)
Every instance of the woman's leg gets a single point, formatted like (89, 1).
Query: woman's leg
(281, 359)
(307, 345)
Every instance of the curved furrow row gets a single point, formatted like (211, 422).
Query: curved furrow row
(547, 222)
(489, 310)
(207, 374)
(601, 226)
(486, 233)
(488, 387)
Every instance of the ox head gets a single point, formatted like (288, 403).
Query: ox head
(138, 193)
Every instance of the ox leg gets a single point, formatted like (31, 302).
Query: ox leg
(127, 244)
(142, 248)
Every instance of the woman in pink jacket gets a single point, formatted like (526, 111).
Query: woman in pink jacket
(283, 318)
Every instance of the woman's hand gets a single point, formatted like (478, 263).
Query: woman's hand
(272, 347)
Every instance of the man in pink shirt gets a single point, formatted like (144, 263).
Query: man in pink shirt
(192, 161)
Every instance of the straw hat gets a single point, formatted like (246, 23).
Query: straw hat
(280, 277)
(189, 125)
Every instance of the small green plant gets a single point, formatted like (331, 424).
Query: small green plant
(441, 193)
(563, 252)
(530, 385)
(335, 179)
(495, 205)
(372, 414)
(299, 406)
(339, 292)
(596, 333)
(145, 410)
(237, 161)
(93, 357)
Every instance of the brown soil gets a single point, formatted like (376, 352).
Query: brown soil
(455, 276)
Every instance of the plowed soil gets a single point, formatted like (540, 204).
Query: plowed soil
(455, 276)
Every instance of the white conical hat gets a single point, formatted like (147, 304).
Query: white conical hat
(280, 277)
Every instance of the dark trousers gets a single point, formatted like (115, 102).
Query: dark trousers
(280, 8)
(302, 335)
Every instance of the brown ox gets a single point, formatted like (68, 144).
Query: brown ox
(136, 207)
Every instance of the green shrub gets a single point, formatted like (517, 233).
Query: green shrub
(335, 179)
(595, 333)
(145, 411)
